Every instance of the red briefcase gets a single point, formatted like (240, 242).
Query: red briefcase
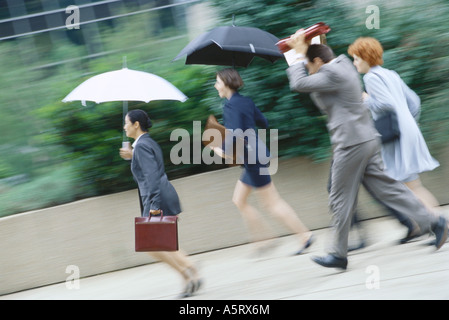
(156, 233)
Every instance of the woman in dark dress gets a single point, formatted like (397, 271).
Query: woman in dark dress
(240, 114)
(155, 190)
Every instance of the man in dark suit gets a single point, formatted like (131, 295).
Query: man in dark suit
(335, 87)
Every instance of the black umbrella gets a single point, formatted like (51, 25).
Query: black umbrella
(231, 46)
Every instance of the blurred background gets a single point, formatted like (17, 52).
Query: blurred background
(54, 152)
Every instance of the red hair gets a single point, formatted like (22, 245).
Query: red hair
(368, 49)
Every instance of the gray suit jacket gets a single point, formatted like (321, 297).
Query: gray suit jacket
(147, 167)
(336, 90)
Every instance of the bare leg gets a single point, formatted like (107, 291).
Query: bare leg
(279, 208)
(257, 227)
(179, 261)
(175, 259)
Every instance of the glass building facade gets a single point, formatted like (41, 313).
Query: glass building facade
(41, 25)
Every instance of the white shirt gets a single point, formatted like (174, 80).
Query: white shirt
(135, 142)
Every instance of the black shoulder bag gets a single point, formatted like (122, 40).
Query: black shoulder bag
(387, 124)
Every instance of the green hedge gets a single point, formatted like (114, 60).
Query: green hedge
(68, 152)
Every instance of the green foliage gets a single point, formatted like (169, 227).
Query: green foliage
(66, 151)
(93, 134)
(52, 187)
(416, 46)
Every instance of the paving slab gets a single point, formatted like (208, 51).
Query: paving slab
(382, 270)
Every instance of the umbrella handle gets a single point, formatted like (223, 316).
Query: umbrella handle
(125, 111)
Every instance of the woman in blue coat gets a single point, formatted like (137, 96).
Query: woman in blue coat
(241, 117)
(407, 157)
(156, 192)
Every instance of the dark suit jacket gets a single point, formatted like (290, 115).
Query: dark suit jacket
(240, 112)
(336, 89)
(147, 167)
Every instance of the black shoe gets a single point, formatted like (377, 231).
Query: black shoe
(308, 244)
(188, 290)
(331, 261)
(412, 234)
(197, 284)
(440, 230)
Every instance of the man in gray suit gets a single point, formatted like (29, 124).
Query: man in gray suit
(336, 89)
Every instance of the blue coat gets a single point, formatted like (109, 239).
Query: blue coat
(155, 190)
(409, 155)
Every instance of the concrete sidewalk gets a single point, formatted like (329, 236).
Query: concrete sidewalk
(382, 270)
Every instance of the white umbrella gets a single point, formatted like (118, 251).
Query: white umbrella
(125, 85)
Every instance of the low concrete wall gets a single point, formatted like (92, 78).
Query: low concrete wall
(97, 234)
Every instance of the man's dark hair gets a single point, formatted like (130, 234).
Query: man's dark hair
(321, 51)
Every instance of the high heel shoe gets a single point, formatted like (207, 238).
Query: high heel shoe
(197, 285)
(188, 290)
(196, 279)
(411, 234)
(307, 245)
(193, 285)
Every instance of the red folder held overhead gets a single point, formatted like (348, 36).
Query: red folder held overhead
(317, 29)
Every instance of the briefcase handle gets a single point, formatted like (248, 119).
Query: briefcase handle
(153, 215)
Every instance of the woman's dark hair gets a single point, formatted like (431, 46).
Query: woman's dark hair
(231, 78)
(142, 117)
(321, 51)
